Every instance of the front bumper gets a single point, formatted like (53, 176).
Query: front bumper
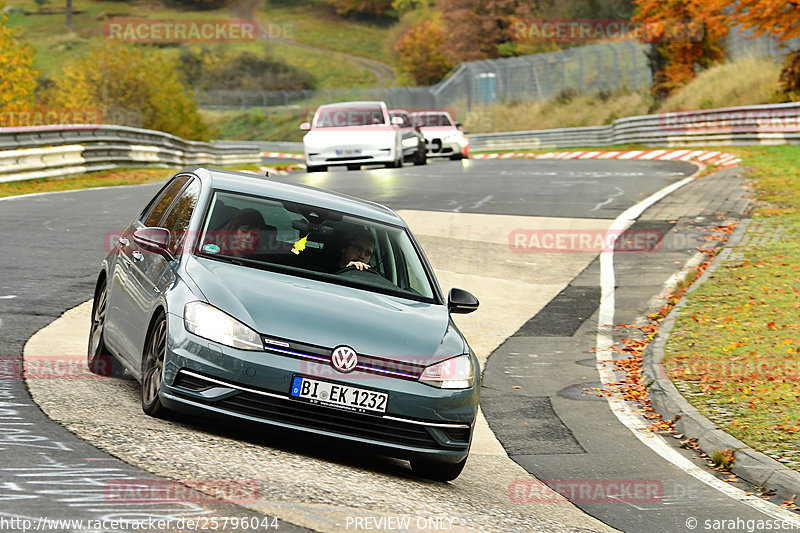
(420, 421)
(441, 146)
(349, 156)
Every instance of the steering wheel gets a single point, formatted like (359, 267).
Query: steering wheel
(352, 268)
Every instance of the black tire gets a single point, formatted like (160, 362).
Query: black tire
(153, 367)
(99, 358)
(316, 169)
(398, 163)
(438, 470)
(456, 157)
(421, 157)
(353, 167)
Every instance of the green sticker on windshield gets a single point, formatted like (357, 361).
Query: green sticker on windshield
(211, 248)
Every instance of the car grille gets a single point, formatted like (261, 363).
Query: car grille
(366, 363)
(269, 406)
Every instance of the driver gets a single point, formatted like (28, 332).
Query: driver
(356, 250)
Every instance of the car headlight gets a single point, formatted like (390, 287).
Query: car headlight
(452, 137)
(207, 321)
(453, 373)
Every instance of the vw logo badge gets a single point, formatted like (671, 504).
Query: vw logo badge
(344, 359)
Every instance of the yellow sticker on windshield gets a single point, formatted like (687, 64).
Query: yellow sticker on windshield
(299, 246)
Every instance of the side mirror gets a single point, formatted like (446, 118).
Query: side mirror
(458, 125)
(154, 240)
(305, 126)
(397, 121)
(461, 302)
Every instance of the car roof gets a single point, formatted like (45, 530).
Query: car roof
(355, 103)
(260, 185)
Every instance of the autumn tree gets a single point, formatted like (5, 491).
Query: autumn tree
(113, 76)
(479, 29)
(421, 55)
(362, 7)
(684, 35)
(17, 75)
(779, 20)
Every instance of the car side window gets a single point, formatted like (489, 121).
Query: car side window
(177, 220)
(159, 208)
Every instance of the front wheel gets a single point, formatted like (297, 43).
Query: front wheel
(421, 157)
(153, 367)
(438, 470)
(398, 163)
(99, 359)
(316, 169)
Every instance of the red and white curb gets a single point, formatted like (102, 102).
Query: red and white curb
(282, 155)
(708, 157)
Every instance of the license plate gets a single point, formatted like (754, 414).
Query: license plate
(341, 396)
(349, 151)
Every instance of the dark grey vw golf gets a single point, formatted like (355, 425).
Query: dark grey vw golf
(291, 306)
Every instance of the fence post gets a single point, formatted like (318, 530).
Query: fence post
(616, 66)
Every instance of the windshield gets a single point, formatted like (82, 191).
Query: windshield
(429, 120)
(308, 241)
(339, 116)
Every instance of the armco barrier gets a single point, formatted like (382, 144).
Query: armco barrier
(746, 125)
(56, 151)
(48, 151)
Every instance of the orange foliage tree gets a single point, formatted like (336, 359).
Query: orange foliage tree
(17, 75)
(480, 29)
(421, 55)
(778, 19)
(684, 35)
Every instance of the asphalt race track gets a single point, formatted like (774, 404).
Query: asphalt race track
(538, 320)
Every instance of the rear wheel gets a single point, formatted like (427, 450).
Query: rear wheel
(99, 359)
(438, 470)
(316, 169)
(153, 367)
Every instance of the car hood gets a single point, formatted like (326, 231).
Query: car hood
(438, 129)
(328, 315)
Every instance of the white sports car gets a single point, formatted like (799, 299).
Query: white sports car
(444, 135)
(352, 134)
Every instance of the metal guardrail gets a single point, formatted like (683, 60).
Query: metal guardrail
(52, 151)
(746, 125)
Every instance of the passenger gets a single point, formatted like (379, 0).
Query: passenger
(242, 232)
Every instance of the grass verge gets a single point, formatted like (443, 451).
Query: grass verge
(735, 348)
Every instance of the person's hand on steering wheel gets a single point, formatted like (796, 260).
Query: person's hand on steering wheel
(358, 264)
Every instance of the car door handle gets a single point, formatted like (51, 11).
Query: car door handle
(137, 255)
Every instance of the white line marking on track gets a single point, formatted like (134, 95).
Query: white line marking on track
(8, 297)
(620, 407)
(482, 201)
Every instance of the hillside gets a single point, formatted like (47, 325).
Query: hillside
(304, 35)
